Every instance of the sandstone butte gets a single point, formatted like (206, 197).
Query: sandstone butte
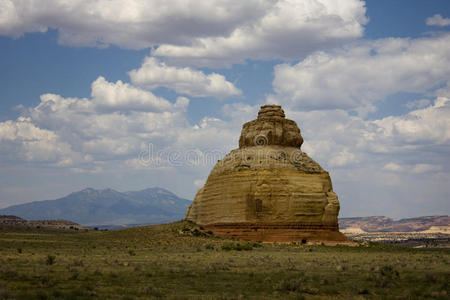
(269, 190)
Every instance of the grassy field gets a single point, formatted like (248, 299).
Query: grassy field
(176, 261)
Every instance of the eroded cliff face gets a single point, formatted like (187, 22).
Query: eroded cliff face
(268, 184)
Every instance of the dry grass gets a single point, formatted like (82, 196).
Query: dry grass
(176, 262)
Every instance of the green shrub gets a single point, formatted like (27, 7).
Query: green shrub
(228, 246)
(386, 276)
(257, 245)
(237, 246)
(209, 246)
(74, 273)
(152, 291)
(244, 246)
(197, 232)
(389, 272)
(78, 263)
(50, 259)
(289, 285)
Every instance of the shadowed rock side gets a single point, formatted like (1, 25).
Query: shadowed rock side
(268, 189)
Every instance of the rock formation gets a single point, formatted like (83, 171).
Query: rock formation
(268, 189)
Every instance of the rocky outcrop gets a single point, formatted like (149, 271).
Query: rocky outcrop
(385, 224)
(268, 189)
(271, 128)
(8, 222)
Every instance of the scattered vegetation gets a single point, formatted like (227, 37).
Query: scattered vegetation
(50, 259)
(180, 260)
(237, 246)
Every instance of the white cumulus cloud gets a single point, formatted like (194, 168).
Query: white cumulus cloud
(360, 74)
(153, 74)
(213, 32)
(393, 167)
(289, 29)
(114, 124)
(123, 96)
(414, 169)
(382, 166)
(421, 103)
(129, 24)
(437, 20)
(117, 128)
(425, 168)
(21, 140)
(339, 139)
(429, 125)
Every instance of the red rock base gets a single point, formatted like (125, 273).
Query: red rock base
(281, 233)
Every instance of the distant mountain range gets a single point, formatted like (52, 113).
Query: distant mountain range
(112, 209)
(385, 224)
(91, 207)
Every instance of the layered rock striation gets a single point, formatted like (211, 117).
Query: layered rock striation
(268, 189)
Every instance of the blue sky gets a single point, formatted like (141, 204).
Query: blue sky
(87, 86)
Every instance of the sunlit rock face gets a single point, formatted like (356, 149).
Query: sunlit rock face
(268, 189)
